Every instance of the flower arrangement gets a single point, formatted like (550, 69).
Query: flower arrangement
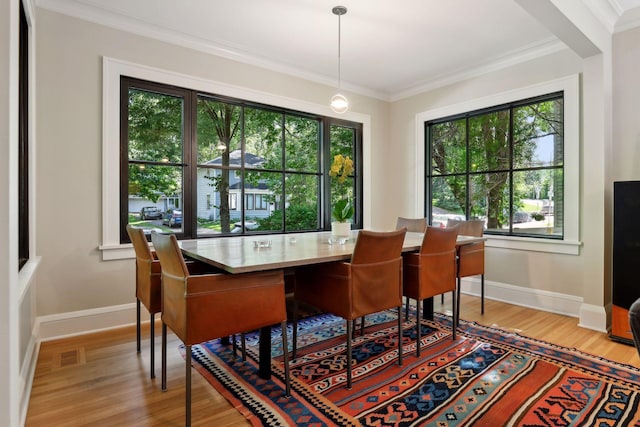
(341, 168)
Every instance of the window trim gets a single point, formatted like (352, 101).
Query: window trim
(570, 85)
(113, 69)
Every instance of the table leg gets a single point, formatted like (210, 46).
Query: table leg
(427, 308)
(264, 369)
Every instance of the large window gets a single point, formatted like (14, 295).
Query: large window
(504, 165)
(201, 165)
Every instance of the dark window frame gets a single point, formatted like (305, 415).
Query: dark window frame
(467, 116)
(189, 163)
(23, 141)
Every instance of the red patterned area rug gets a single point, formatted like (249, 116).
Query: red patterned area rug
(486, 377)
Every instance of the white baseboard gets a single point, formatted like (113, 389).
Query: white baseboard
(84, 321)
(87, 321)
(590, 316)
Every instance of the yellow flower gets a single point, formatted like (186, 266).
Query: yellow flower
(341, 167)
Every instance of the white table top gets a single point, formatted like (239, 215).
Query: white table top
(239, 254)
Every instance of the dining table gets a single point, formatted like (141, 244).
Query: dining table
(250, 253)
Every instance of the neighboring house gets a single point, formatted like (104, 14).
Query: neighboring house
(256, 204)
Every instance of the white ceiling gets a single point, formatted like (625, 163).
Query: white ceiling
(389, 49)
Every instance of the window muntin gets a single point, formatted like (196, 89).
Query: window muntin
(257, 168)
(504, 165)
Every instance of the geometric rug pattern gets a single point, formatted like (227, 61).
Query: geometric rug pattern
(486, 377)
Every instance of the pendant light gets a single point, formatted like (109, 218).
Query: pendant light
(339, 102)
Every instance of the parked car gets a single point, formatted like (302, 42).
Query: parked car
(150, 212)
(248, 226)
(520, 217)
(172, 218)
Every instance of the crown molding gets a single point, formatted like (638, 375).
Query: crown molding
(533, 51)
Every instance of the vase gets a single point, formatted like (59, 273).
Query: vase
(341, 229)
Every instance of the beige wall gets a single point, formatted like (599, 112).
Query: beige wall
(72, 275)
(626, 105)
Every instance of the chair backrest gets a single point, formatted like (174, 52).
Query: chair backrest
(170, 255)
(412, 224)
(472, 227)
(438, 260)
(375, 246)
(140, 244)
(438, 240)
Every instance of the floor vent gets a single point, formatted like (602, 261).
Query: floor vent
(69, 358)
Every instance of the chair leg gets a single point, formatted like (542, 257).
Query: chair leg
(243, 346)
(456, 295)
(234, 346)
(138, 324)
(400, 335)
(362, 326)
(187, 403)
(418, 328)
(482, 294)
(349, 331)
(455, 310)
(285, 354)
(152, 344)
(164, 357)
(406, 309)
(294, 333)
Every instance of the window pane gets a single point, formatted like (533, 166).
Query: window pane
(266, 186)
(218, 129)
(496, 188)
(208, 201)
(489, 142)
(302, 202)
(448, 147)
(448, 195)
(155, 197)
(342, 143)
(301, 142)
(155, 150)
(155, 127)
(538, 134)
(263, 135)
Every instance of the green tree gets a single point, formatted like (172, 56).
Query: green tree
(154, 144)
(218, 125)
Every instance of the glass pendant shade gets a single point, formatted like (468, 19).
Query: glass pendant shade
(339, 103)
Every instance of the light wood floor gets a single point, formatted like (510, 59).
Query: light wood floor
(99, 380)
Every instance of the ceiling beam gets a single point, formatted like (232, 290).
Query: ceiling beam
(574, 24)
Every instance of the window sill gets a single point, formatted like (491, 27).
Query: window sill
(565, 247)
(114, 252)
(26, 275)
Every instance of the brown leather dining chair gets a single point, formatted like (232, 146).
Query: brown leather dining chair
(199, 308)
(471, 256)
(147, 286)
(148, 290)
(417, 225)
(431, 271)
(370, 282)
